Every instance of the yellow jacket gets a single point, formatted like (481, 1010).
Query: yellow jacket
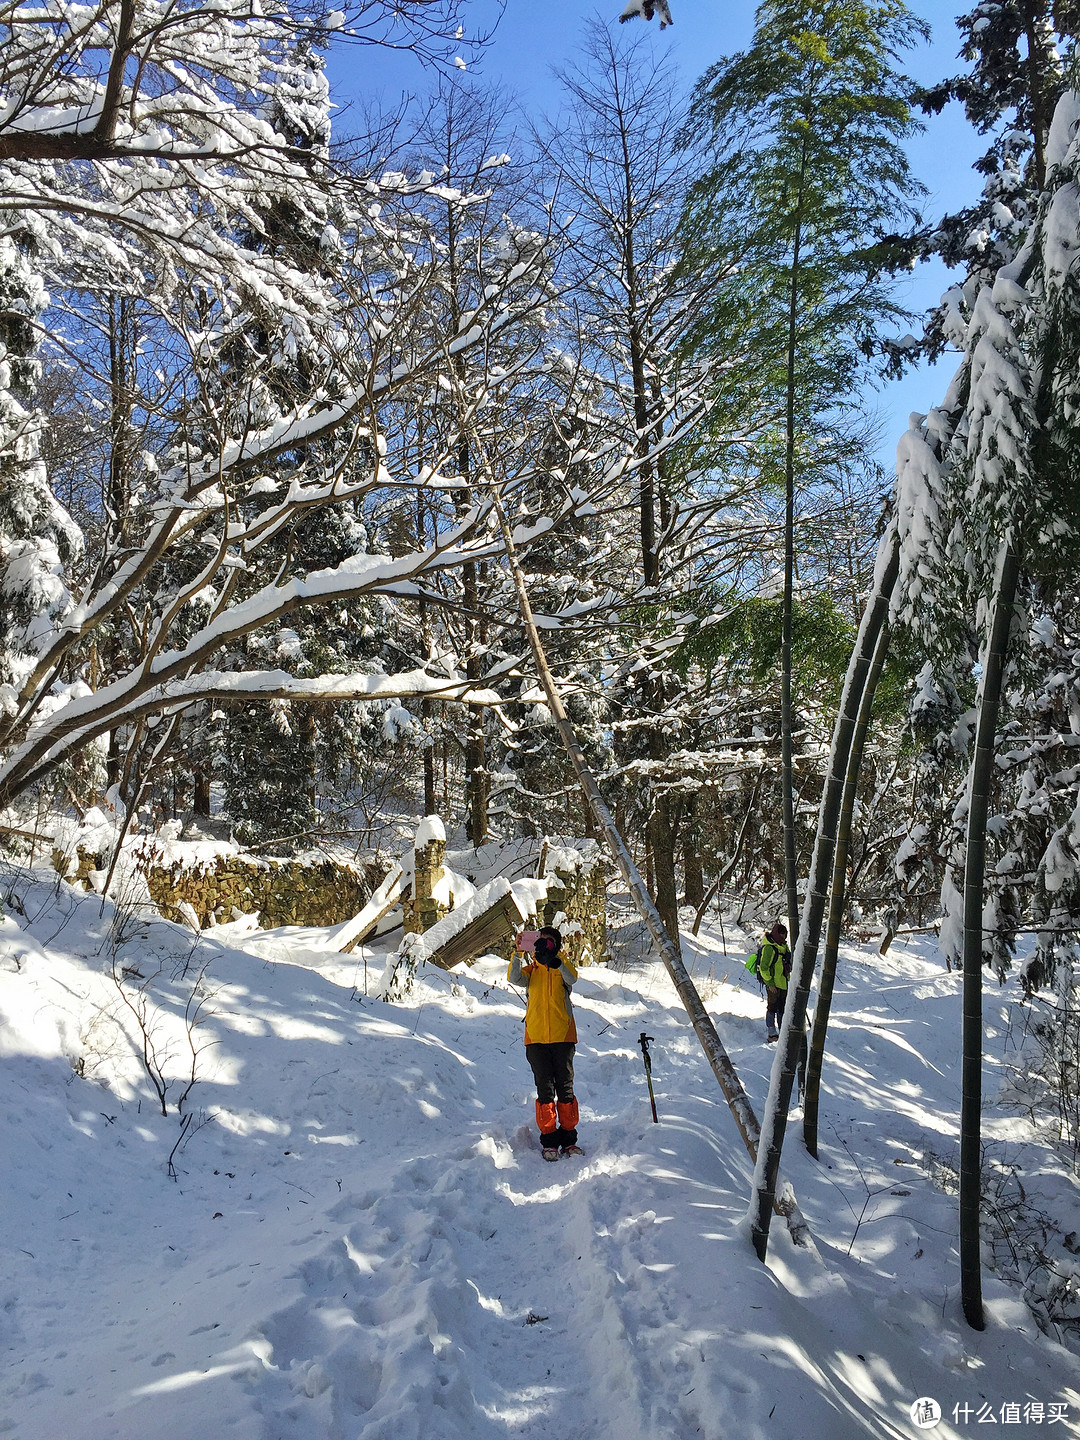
(549, 1015)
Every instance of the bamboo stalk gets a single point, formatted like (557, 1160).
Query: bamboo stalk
(789, 1047)
(837, 895)
(991, 684)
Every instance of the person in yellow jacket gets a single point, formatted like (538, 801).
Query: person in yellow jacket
(550, 1040)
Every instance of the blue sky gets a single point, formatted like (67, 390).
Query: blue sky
(533, 36)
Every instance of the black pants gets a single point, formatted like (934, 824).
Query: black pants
(553, 1071)
(774, 1012)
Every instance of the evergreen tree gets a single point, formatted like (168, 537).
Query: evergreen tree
(1018, 61)
(808, 176)
(1016, 78)
(989, 535)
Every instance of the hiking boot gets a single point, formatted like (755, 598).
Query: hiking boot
(771, 1039)
(549, 1152)
(572, 1150)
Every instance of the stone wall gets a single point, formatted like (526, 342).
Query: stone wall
(310, 891)
(215, 881)
(79, 867)
(285, 892)
(583, 900)
(578, 893)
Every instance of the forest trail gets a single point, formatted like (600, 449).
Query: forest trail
(366, 1244)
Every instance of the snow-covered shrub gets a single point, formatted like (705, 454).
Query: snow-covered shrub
(399, 977)
(1022, 1243)
(1045, 1078)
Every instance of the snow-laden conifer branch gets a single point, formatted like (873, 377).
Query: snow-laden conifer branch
(970, 473)
(976, 506)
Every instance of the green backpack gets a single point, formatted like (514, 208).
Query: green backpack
(774, 974)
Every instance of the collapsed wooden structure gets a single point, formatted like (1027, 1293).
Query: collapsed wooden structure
(568, 888)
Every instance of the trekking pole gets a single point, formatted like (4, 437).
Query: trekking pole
(644, 1041)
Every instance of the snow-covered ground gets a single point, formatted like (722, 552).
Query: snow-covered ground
(363, 1241)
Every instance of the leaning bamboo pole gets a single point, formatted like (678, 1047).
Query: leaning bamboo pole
(792, 1038)
(837, 895)
(738, 1101)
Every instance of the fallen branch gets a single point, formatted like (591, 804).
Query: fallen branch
(25, 834)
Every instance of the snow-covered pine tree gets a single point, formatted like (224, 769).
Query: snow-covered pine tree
(1000, 447)
(987, 498)
(39, 541)
(612, 153)
(1015, 77)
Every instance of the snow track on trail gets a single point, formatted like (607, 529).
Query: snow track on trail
(441, 1309)
(367, 1245)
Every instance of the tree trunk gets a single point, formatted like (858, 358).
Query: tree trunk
(201, 799)
(113, 760)
(659, 830)
(837, 894)
(790, 1045)
(309, 733)
(427, 707)
(446, 793)
(430, 801)
(662, 849)
(646, 483)
(791, 877)
(724, 873)
(476, 819)
(693, 879)
(1034, 18)
(476, 773)
(121, 390)
(991, 685)
(476, 822)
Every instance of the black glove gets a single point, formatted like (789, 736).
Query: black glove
(552, 961)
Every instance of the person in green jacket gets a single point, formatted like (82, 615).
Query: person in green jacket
(773, 969)
(550, 1039)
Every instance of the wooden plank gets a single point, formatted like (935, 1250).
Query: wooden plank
(389, 894)
(501, 922)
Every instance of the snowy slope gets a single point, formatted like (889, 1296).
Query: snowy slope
(364, 1242)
